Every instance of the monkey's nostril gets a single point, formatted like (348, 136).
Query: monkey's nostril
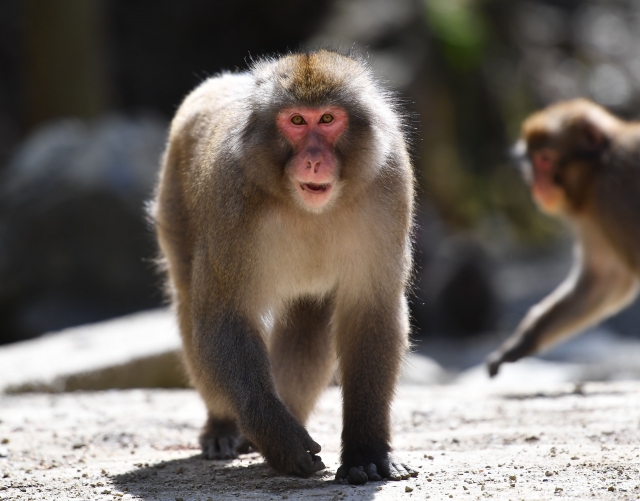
(315, 164)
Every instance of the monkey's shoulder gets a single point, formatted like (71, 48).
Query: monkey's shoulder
(221, 90)
(216, 100)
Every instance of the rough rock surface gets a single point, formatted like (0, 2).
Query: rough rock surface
(550, 441)
(140, 350)
(75, 246)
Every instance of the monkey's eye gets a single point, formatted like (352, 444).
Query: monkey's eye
(327, 118)
(297, 120)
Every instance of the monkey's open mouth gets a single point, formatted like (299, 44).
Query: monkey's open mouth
(315, 187)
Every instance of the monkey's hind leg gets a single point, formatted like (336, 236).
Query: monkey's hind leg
(302, 353)
(220, 437)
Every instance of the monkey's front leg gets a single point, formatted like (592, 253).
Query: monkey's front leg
(589, 295)
(231, 361)
(371, 342)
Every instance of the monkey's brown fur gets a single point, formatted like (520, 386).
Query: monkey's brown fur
(267, 293)
(594, 184)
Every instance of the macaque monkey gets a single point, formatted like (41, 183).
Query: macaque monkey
(284, 212)
(583, 165)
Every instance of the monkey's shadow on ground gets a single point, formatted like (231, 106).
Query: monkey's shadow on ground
(252, 479)
(578, 390)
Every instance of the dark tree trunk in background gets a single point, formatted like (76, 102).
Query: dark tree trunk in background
(64, 65)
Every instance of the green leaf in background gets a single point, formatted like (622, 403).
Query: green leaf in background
(460, 29)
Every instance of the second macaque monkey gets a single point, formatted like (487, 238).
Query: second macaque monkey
(583, 165)
(286, 193)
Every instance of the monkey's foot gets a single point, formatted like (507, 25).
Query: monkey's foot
(386, 468)
(219, 439)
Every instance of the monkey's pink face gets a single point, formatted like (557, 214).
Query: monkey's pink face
(548, 195)
(313, 133)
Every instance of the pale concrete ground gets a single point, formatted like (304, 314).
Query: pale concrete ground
(530, 434)
(467, 441)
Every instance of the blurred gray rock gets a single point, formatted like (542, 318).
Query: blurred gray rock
(142, 350)
(422, 370)
(74, 243)
(454, 291)
(136, 351)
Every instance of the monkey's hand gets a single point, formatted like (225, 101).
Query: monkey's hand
(513, 349)
(493, 361)
(385, 468)
(290, 450)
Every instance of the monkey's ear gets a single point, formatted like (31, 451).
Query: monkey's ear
(589, 136)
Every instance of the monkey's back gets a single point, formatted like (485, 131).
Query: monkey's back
(618, 203)
(202, 134)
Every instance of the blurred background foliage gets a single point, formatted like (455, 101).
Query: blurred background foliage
(87, 89)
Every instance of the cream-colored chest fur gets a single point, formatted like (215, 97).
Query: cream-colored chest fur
(312, 254)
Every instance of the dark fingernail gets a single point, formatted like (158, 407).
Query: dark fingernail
(410, 471)
(371, 471)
